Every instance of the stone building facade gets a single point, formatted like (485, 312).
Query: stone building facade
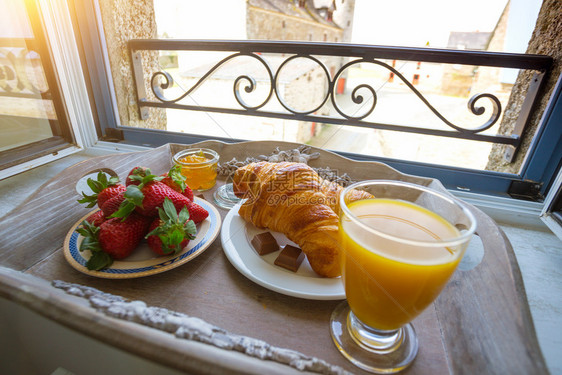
(458, 79)
(291, 20)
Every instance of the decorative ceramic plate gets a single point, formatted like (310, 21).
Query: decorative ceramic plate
(236, 235)
(143, 262)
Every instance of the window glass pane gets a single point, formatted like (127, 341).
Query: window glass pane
(481, 25)
(27, 112)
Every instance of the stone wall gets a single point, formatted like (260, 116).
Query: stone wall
(270, 25)
(124, 20)
(546, 40)
(487, 79)
(343, 17)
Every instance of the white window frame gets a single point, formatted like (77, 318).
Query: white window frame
(62, 44)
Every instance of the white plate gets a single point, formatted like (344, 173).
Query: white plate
(236, 235)
(143, 262)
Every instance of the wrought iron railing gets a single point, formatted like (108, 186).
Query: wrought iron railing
(355, 54)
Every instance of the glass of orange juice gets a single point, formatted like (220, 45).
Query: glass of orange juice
(199, 167)
(398, 250)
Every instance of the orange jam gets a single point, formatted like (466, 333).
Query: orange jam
(199, 167)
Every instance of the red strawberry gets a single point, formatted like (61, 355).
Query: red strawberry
(154, 195)
(134, 196)
(96, 218)
(110, 192)
(145, 199)
(119, 238)
(197, 213)
(170, 232)
(113, 239)
(155, 242)
(136, 175)
(170, 183)
(112, 205)
(188, 193)
(175, 180)
(103, 189)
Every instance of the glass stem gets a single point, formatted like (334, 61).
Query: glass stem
(372, 339)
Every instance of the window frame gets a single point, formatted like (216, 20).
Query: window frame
(539, 168)
(63, 67)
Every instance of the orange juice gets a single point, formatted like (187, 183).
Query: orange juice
(387, 282)
(199, 167)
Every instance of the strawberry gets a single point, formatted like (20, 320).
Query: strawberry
(110, 192)
(112, 205)
(136, 175)
(175, 180)
(187, 192)
(119, 238)
(196, 212)
(154, 195)
(103, 189)
(96, 218)
(170, 232)
(113, 239)
(135, 195)
(145, 199)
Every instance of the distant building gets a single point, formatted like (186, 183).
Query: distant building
(458, 79)
(474, 40)
(302, 86)
(301, 20)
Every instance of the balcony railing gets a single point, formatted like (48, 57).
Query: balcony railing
(245, 84)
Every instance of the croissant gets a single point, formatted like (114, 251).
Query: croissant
(292, 199)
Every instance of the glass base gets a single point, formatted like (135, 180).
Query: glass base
(225, 198)
(379, 352)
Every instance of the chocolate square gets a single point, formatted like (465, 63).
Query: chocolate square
(290, 258)
(264, 243)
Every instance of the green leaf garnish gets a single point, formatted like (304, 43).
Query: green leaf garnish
(190, 228)
(133, 198)
(98, 261)
(169, 211)
(101, 182)
(175, 174)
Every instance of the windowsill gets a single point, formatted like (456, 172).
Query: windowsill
(538, 250)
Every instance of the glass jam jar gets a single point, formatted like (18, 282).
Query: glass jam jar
(199, 167)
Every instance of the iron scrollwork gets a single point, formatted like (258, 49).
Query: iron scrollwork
(250, 86)
(358, 99)
(161, 81)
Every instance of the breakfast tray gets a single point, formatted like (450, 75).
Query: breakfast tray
(480, 323)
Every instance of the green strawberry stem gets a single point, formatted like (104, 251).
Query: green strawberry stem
(99, 259)
(175, 174)
(175, 228)
(145, 178)
(97, 186)
(134, 195)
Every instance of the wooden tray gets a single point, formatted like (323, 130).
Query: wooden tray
(480, 323)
